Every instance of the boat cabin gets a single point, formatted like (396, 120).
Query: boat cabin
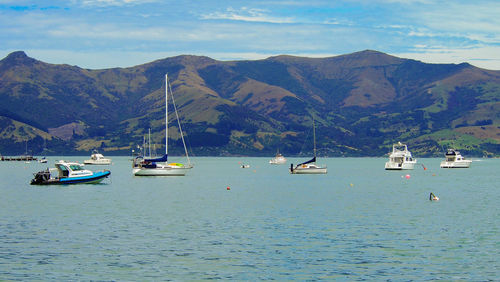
(452, 156)
(400, 159)
(96, 156)
(71, 169)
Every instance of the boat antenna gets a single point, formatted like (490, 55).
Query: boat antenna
(179, 124)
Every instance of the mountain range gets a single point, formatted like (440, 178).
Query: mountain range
(361, 104)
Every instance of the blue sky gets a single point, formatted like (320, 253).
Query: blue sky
(120, 33)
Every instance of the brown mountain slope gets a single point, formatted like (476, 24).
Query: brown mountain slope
(362, 102)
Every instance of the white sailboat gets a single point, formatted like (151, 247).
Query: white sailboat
(43, 160)
(159, 166)
(309, 167)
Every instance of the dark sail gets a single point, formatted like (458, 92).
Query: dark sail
(162, 159)
(313, 160)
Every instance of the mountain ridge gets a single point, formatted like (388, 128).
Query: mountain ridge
(362, 103)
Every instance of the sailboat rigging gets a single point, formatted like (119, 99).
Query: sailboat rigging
(143, 166)
(310, 166)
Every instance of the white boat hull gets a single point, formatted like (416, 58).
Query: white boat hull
(97, 162)
(161, 171)
(399, 166)
(309, 169)
(277, 162)
(456, 164)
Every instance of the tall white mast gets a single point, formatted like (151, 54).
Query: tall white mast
(166, 114)
(149, 142)
(314, 139)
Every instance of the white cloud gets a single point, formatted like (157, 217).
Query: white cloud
(107, 31)
(247, 15)
(335, 21)
(472, 20)
(483, 57)
(105, 3)
(124, 32)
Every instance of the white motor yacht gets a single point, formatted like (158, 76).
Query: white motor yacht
(453, 159)
(97, 159)
(278, 159)
(400, 158)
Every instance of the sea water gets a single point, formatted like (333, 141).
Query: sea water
(221, 221)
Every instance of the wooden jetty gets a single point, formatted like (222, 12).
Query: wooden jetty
(18, 158)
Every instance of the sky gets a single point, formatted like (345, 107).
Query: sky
(97, 34)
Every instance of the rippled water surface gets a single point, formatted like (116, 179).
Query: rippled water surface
(357, 222)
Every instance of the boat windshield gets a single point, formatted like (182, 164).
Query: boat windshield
(75, 167)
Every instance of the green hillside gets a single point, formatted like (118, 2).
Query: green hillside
(361, 103)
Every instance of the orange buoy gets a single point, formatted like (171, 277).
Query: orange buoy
(228, 188)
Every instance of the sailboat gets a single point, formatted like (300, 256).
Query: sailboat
(309, 167)
(143, 166)
(27, 157)
(43, 160)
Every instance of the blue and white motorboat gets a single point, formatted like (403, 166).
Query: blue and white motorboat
(68, 173)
